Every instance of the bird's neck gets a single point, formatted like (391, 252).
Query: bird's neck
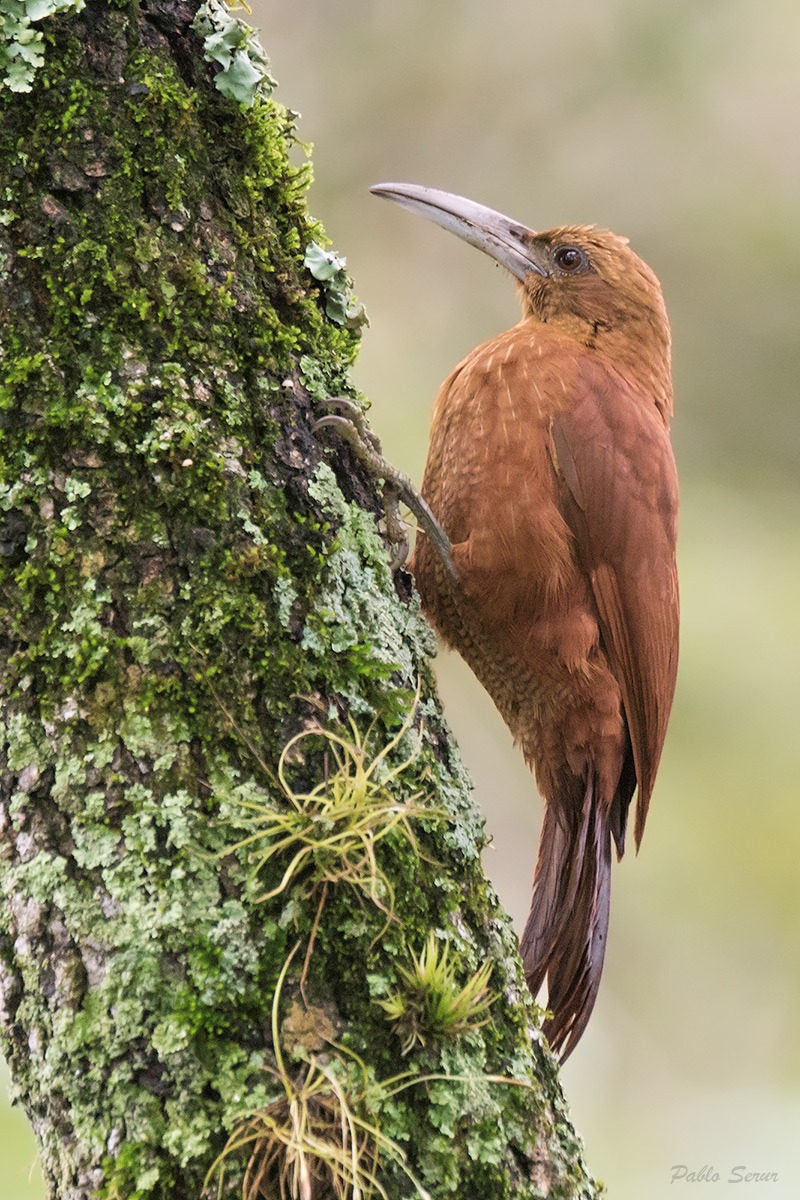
(643, 360)
(638, 350)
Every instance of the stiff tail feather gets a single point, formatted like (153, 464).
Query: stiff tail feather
(565, 935)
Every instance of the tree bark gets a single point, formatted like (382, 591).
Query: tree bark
(190, 578)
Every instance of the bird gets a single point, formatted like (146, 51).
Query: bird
(550, 563)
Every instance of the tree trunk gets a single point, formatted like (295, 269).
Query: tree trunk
(227, 821)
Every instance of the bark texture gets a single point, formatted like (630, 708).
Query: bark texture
(188, 579)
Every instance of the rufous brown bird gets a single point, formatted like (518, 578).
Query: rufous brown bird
(551, 473)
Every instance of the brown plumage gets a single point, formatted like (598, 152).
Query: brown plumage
(551, 472)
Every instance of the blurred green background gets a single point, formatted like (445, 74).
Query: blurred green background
(678, 125)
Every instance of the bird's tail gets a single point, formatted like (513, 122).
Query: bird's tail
(565, 935)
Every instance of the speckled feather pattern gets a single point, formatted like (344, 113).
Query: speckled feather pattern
(550, 469)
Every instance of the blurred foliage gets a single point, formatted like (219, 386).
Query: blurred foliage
(675, 124)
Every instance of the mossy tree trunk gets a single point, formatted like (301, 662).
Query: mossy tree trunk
(189, 578)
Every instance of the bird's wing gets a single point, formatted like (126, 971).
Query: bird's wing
(618, 494)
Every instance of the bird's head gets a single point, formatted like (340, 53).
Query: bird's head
(586, 281)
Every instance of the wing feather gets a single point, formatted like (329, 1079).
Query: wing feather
(613, 456)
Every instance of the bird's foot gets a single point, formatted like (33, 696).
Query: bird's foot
(349, 422)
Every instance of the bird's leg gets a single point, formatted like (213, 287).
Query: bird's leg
(396, 485)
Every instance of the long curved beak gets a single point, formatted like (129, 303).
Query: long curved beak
(509, 243)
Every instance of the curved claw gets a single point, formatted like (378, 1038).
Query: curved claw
(347, 405)
(356, 417)
(367, 447)
(332, 421)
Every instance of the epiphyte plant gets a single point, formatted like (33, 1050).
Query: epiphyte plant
(431, 1004)
(330, 833)
(310, 1142)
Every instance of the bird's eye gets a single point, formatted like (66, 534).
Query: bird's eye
(569, 258)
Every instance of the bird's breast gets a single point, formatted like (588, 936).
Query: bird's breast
(490, 476)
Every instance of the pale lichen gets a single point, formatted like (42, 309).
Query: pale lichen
(21, 43)
(233, 45)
